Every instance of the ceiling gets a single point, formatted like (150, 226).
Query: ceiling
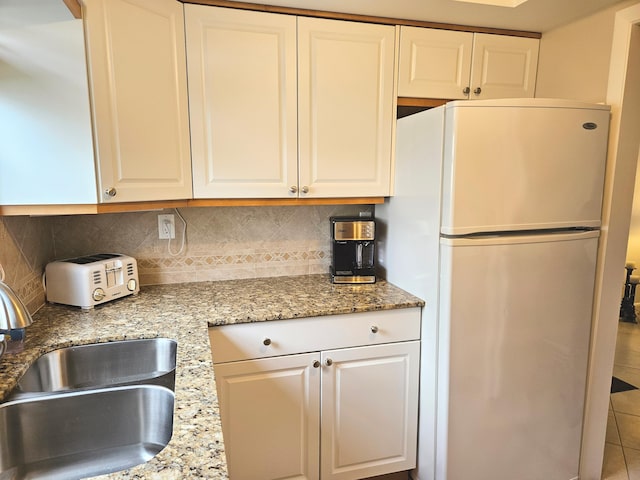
(533, 15)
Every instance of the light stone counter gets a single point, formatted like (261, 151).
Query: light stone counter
(183, 312)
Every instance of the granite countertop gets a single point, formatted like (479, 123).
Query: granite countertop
(183, 312)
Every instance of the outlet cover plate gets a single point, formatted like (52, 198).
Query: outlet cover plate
(166, 226)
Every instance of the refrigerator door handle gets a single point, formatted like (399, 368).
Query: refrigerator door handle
(513, 238)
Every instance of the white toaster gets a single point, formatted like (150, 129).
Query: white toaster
(91, 280)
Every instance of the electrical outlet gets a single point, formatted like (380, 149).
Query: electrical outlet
(166, 226)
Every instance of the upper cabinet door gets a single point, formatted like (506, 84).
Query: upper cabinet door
(434, 63)
(503, 66)
(457, 65)
(243, 108)
(137, 71)
(346, 107)
(46, 145)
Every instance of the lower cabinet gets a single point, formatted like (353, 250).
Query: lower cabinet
(369, 410)
(270, 411)
(338, 413)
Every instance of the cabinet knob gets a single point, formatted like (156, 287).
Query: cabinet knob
(266, 342)
(316, 364)
(374, 329)
(477, 91)
(110, 192)
(466, 90)
(304, 189)
(293, 189)
(328, 362)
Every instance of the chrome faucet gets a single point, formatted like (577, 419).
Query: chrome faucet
(13, 313)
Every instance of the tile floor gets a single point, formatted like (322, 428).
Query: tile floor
(622, 450)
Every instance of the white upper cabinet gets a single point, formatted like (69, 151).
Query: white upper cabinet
(46, 147)
(113, 108)
(458, 65)
(434, 63)
(93, 105)
(503, 67)
(243, 102)
(346, 108)
(286, 107)
(137, 77)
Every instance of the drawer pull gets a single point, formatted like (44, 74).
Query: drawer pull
(328, 362)
(316, 364)
(266, 342)
(374, 329)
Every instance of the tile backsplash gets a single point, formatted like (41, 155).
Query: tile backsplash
(25, 248)
(221, 243)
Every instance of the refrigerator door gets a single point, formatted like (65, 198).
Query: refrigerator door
(523, 166)
(515, 321)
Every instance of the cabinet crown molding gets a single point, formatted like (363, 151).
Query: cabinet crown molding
(360, 18)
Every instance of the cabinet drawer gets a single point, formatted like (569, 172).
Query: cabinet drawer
(284, 337)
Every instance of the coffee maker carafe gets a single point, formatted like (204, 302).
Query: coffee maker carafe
(352, 250)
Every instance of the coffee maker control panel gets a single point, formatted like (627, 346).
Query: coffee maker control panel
(354, 230)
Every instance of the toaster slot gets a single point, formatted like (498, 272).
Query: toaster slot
(114, 274)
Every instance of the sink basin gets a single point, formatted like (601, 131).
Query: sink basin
(147, 361)
(84, 433)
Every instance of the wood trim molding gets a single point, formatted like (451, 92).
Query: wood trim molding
(45, 210)
(74, 7)
(420, 102)
(92, 209)
(140, 206)
(283, 202)
(361, 18)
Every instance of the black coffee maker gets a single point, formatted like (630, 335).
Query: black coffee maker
(352, 250)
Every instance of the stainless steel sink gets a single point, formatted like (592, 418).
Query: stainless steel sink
(84, 433)
(127, 362)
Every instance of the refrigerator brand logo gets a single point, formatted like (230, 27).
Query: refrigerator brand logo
(589, 126)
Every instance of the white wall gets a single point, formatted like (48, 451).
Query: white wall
(574, 63)
(633, 249)
(602, 43)
(574, 59)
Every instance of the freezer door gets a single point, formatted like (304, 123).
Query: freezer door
(514, 329)
(511, 167)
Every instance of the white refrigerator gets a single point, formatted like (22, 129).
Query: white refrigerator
(494, 223)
